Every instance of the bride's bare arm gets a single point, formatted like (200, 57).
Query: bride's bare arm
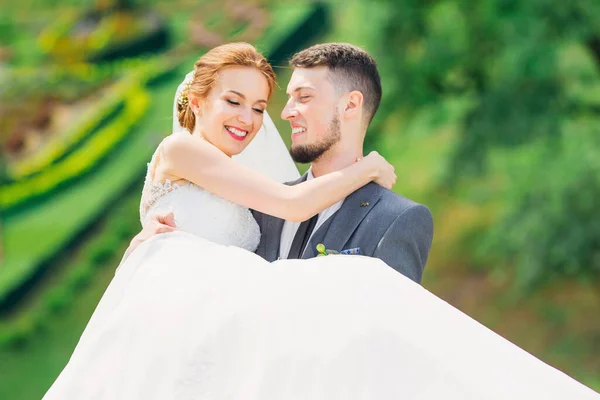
(200, 162)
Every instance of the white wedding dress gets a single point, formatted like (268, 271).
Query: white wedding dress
(196, 315)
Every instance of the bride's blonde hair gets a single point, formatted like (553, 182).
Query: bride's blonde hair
(206, 72)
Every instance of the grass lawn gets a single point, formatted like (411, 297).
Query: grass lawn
(27, 372)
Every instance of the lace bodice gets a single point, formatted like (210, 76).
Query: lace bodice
(200, 212)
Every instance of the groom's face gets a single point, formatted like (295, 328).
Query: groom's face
(312, 112)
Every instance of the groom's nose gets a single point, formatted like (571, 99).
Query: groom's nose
(288, 111)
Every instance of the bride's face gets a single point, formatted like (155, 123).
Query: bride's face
(232, 114)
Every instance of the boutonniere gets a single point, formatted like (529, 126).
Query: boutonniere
(323, 251)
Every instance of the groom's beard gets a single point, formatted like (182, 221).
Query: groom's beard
(307, 153)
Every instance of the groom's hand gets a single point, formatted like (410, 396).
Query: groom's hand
(157, 224)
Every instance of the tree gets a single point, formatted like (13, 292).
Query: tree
(503, 56)
(528, 71)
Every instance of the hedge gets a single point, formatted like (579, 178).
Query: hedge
(84, 159)
(59, 146)
(147, 34)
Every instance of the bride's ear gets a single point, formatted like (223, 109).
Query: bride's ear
(196, 105)
(353, 104)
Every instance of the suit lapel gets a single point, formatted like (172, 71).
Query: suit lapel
(273, 237)
(335, 234)
(273, 227)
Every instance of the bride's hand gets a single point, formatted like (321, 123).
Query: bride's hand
(384, 171)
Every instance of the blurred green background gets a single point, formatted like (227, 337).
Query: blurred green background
(490, 114)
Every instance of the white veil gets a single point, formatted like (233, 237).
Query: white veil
(266, 154)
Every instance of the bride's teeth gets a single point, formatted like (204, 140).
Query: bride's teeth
(236, 132)
(298, 130)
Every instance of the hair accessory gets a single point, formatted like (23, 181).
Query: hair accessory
(182, 99)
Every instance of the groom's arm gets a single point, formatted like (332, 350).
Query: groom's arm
(406, 243)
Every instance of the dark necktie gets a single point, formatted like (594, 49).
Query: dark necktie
(301, 239)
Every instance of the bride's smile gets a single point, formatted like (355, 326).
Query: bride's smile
(236, 133)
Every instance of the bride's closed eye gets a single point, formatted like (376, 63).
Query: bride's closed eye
(235, 103)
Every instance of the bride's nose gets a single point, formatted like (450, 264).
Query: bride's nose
(245, 116)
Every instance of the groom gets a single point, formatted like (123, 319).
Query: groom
(334, 92)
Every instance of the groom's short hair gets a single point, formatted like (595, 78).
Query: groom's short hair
(350, 68)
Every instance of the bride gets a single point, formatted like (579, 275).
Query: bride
(194, 314)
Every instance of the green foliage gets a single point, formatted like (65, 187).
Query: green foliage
(7, 31)
(296, 24)
(550, 227)
(523, 71)
(503, 55)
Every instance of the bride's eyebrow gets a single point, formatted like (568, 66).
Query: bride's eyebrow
(244, 97)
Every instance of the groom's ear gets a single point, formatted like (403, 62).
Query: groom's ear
(353, 105)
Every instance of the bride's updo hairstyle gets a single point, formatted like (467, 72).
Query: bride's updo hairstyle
(206, 71)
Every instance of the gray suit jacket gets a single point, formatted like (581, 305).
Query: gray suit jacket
(380, 222)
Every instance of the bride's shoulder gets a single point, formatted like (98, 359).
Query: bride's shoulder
(177, 143)
(176, 137)
(183, 151)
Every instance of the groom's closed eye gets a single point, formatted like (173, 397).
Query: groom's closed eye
(301, 98)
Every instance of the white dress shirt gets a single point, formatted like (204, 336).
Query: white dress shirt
(290, 228)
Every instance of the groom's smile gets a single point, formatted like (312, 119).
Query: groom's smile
(297, 130)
